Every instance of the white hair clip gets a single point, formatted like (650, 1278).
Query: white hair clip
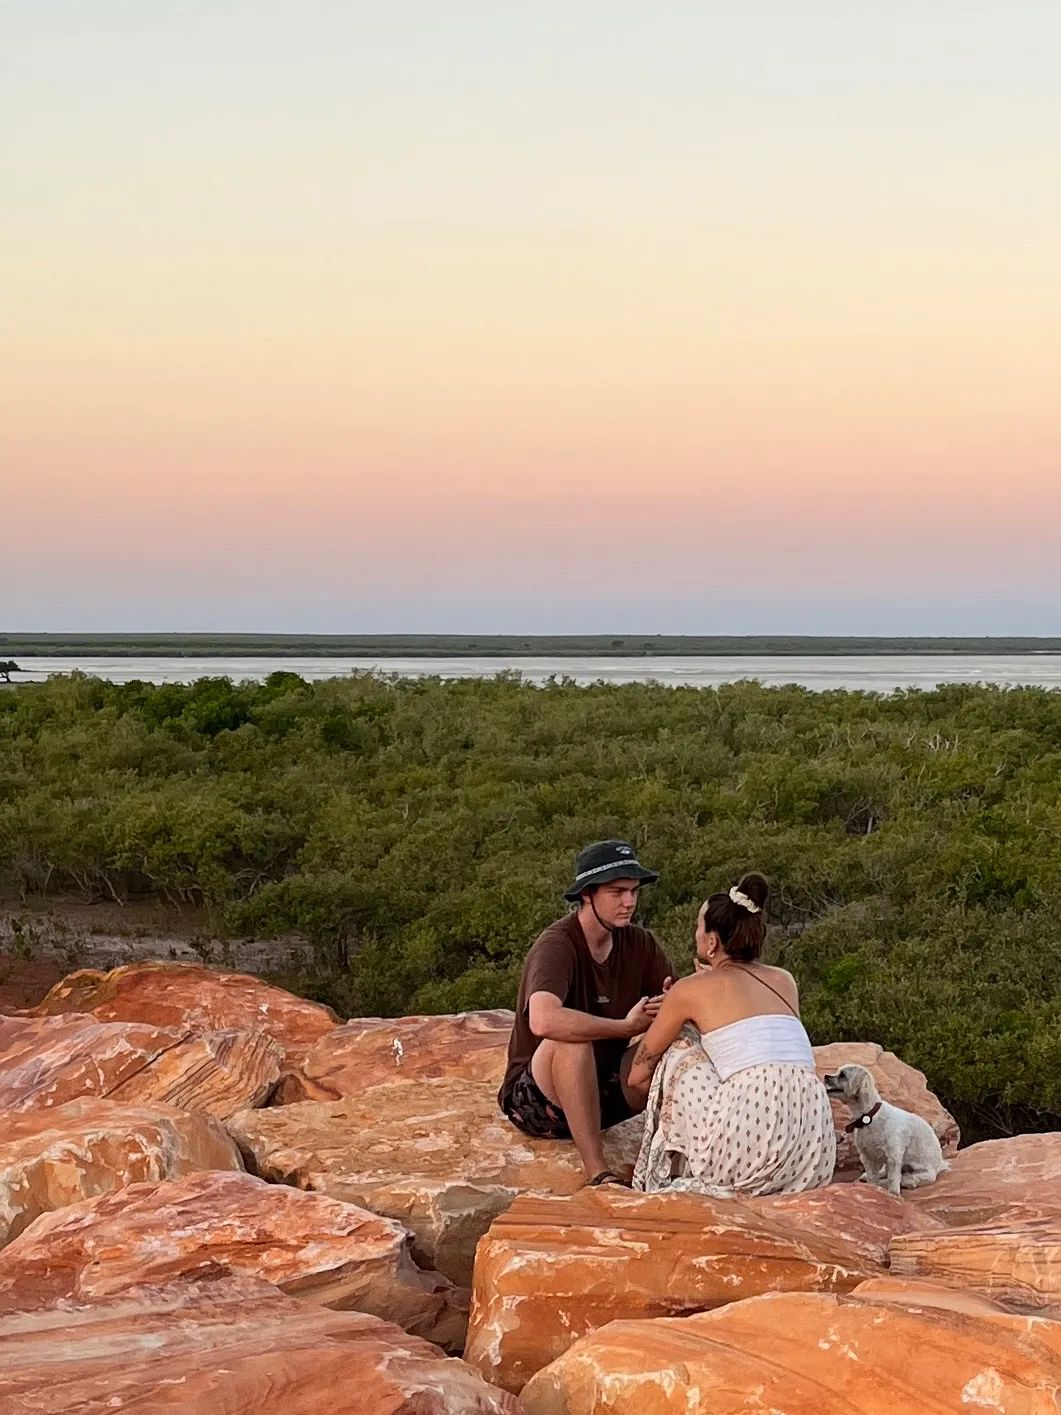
(742, 899)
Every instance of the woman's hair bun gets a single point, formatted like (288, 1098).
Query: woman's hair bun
(756, 888)
(738, 916)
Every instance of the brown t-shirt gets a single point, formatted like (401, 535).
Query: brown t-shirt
(560, 962)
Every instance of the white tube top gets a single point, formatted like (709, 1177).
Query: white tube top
(758, 1041)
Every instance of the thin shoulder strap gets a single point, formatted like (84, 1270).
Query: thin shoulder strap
(767, 985)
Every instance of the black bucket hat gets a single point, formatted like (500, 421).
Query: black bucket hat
(606, 860)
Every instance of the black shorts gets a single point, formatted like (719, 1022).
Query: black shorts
(532, 1112)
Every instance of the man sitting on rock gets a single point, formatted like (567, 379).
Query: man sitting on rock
(591, 983)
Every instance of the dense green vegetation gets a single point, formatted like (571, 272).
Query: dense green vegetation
(377, 646)
(420, 833)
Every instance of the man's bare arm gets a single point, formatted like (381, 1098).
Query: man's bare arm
(552, 1021)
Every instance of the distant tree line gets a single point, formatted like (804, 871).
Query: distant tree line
(419, 832)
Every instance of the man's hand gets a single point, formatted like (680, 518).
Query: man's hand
(640, 1016)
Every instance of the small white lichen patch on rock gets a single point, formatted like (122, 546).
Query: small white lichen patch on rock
(984, 1389)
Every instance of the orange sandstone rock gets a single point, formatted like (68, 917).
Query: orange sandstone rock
(1016, 1178)
(375, 1051)
(192, 998)
(809, 1354)
(1018, 1262)
(438, 1156)
(473, 1046)
(52, 1158)
(224, 1223)
(551, 1270)
(232, 1347)
(50, 1060)
(917, 1292)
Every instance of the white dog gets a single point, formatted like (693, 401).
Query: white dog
(897, 1148)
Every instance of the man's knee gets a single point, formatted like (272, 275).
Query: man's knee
(553, 1063)
(572, 1053)
(549, 1049)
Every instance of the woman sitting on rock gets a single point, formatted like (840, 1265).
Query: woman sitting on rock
(734, 1105)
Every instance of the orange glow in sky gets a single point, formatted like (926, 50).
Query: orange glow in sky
(589, 317)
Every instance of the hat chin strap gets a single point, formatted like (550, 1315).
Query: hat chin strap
(608, 928)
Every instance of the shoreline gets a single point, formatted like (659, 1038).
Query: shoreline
(384, 646)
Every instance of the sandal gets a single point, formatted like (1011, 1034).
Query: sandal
(606, 1176)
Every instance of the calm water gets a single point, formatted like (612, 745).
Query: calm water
(880, 673)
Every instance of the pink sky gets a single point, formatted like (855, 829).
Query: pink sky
(641, 320)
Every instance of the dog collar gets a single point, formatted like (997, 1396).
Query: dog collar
(866, 1119)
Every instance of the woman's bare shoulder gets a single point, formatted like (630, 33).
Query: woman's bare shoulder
(687, 992)
(703, 993)
(695, 984)
(685, 988)
(779, 975)
(773, 968)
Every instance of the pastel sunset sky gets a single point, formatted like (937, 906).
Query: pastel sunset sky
(586, 315)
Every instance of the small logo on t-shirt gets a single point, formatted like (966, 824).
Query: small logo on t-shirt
(603, 1000)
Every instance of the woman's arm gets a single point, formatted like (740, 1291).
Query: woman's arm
(673, 1014)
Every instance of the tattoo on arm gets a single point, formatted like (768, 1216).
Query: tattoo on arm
(644, 1057)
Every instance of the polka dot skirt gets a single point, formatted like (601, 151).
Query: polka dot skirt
(767, 1130)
